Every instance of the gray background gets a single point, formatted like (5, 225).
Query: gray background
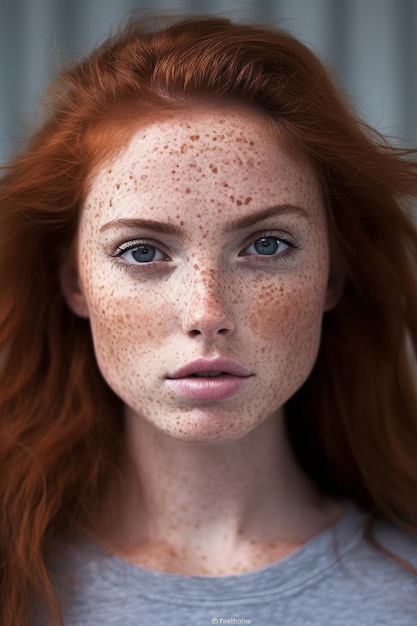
(370, 44)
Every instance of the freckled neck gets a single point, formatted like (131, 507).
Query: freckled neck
(209, 500)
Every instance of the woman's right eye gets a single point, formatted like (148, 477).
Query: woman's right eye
(136, 253)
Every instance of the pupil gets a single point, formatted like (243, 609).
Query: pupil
(266, 245)
(143, 254)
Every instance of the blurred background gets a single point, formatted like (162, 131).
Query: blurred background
(371, 46)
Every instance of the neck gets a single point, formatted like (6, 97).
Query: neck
(194, 507)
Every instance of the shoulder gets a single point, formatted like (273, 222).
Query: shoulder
(386, 551)
(380, 586)
(401, 543)
(389, 549)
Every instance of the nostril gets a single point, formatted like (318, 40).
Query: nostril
(209, 331)
(195, 332)
(206, 316)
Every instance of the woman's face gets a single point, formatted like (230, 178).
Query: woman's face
(203, 246)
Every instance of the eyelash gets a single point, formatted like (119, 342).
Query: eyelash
(291, 241)
(131, 245)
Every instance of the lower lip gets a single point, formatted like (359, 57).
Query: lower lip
(208, 389)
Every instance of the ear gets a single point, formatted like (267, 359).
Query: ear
(71, 287)
(335, 285)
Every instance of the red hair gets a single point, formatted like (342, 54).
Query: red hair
(353, 424)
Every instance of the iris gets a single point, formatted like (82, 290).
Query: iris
(267, 245)
(143, 254)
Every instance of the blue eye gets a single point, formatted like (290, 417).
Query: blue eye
(267, 246)
(143, 254)
(139, 252)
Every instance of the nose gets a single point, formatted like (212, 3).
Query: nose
(206, 313)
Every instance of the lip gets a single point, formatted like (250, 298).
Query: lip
(205, 388)
(226, 366)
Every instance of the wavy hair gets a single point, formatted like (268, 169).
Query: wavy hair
(353, 424)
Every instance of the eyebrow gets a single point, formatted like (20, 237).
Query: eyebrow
(239, 223)
(138, 223)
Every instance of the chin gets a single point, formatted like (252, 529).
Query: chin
(208, 428)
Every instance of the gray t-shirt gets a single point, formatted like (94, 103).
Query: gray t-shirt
(335, 579)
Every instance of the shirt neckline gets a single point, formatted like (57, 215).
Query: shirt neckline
(284, 577)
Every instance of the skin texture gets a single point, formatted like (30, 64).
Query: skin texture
(207, 483)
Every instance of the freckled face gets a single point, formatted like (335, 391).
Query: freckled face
(221, 251)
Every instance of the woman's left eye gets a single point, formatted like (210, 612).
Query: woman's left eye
(267, 246)
(135, 253)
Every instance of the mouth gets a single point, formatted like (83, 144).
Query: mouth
(208, 374)
(214, 368)
(209, 381)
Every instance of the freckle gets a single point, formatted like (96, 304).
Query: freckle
(144, 177)
(239, 202)
(188, 190)
(232, 198)
(225, 184)
(194, 137)
(111, 202)
(117, 186)
(251, 143)
(248, 200)
(182, 223)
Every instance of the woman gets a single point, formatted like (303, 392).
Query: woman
(208, 394)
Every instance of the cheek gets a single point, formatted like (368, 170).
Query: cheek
(285, 326)
(270, 307)
(288, 316)
(128, 335)
(125, 326)
(130, 318)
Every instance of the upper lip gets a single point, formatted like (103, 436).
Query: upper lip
(225, 366)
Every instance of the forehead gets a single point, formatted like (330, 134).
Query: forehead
(222, 156)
